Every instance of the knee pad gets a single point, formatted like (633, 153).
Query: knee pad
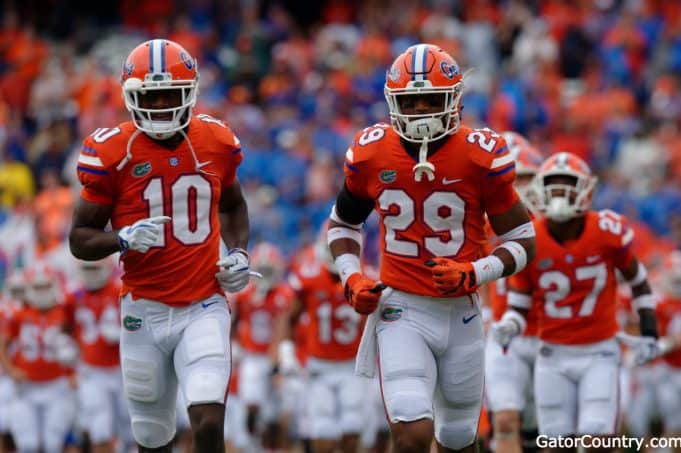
(456, 435)
(405, 406)
(152, 432)
(142, 380)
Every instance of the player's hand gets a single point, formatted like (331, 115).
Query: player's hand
(504, 331)
(234, 273)
(287, 361)
(452, 278)
(141, 235)
(644, 349)
(363, 293)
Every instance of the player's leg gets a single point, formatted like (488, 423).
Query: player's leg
(97, 410)
(6, 396)
(669, 397)
(321, 406)
(556, 409)
(202, 365)
(253, 388)
(59, 414)
(25, 420)
(460, 371)
(599, 392)
(407, 368)
(505, 378)
(350, 395)
(149, 380)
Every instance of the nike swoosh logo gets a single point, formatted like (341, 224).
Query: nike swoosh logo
(469, 319)
(208, 304)
(447, 181)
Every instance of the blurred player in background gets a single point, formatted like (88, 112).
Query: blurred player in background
(430, 337)
(509, 382)
(43, 408)
(167, 182)
(571, 284)
(334, 396)
(256, 309)
(102, 408)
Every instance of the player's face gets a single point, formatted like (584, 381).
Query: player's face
(161, 99)
(562, 180)
(421, 104)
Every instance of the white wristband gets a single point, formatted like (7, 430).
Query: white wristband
(343, 232)
(518, 253)
(347, 264)
(487, 269)
(643, 301)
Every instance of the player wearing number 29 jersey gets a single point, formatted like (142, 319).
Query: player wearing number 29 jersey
(432, 180)
(166, 181)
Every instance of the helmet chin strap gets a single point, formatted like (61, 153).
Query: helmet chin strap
(424, 129)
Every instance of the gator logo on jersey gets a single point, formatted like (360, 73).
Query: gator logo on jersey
(387, 176)
(131, 323)
(140, 170)
(544, 264)
(390, 314)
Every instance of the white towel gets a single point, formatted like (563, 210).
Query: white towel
(365, 363)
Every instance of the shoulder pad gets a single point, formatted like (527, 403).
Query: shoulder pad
(220, 131)
(487, 149)
(105, 146)
(367, 141)
(616, 226)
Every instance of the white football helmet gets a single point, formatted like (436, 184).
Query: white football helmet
(43, 287)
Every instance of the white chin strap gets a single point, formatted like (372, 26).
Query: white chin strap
(559, 210)
(424, 129)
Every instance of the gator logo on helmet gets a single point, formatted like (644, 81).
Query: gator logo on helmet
(128, 67)
(187, 60)
(449, 70)
(394, 73)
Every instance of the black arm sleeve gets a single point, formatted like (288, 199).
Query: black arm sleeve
(647, 323)
(352, 209)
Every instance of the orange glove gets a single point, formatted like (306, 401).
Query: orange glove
(363, 293)
(451, 278)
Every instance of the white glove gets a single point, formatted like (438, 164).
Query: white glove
(142, 235)
(235, 273)
(288, 362)
(644, 349)
(509, 326)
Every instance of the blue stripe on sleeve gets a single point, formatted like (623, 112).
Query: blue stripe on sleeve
(92, 171)
(502, 171)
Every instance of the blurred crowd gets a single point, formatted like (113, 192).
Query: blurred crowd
(599, 78)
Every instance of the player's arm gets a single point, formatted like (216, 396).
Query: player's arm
(282, 351)
(87, 239)
(6, 363)
(345, 242)
(514, 228)
(642, 298)
(514, 320)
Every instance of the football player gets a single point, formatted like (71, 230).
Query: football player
(432, 180)
(256, 309)
(97, 329)
(334, 396)
(41, 364)
(167, 182)
(571, 284)
(509, 385)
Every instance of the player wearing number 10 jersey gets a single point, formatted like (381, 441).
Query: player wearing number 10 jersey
(431, 180)
(166, 180)
(572, 286)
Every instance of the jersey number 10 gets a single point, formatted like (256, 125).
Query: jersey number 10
(189, 207)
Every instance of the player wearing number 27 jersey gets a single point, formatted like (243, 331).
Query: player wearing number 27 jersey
(431, 180)
(571, 284)
(166, 180)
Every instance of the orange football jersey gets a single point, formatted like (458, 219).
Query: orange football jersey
(32, 333)
(90, 308)
(257, 316)
(668, 314)
(334, 328)
(474, 172)
(180, 268)
(573, 285)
